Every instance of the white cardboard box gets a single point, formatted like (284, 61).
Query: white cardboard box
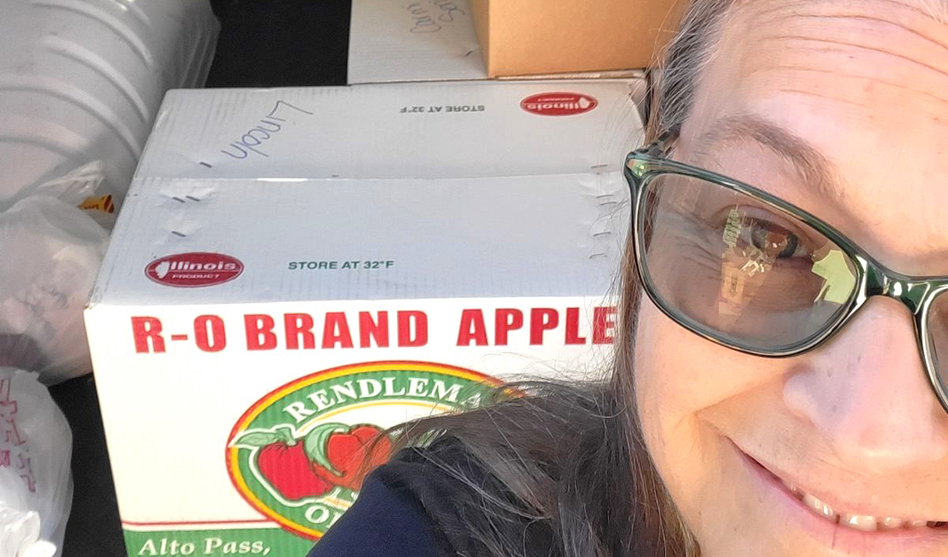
(424, 40)
(295, 269)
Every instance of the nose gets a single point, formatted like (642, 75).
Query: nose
(867, 393)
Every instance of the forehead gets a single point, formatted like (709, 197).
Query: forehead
(865, 84)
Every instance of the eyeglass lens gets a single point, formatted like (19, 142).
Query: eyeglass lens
(938, 336)
(734, 267)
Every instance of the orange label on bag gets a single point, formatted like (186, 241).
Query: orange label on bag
(103, 203)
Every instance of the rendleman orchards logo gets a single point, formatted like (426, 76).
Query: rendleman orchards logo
(300, 454)
(559, 104)
(194, 270)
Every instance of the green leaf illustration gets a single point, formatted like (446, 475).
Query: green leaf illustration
(258, 439)
(315, 444)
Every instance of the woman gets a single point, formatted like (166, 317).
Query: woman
(786, 394)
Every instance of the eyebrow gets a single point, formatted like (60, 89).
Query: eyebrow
(810, 164)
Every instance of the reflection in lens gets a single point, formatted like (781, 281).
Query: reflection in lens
(738, 269)
(938, 336)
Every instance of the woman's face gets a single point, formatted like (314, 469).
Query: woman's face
(854, 425)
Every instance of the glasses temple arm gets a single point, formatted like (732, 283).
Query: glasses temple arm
(661, 146)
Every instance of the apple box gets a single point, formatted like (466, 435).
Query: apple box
(296, 270)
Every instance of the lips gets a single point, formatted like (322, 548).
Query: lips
(841, 519)
(865, 523)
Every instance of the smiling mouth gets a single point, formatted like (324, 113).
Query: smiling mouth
(862, 523)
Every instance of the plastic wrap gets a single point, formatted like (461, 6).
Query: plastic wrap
(54, 250)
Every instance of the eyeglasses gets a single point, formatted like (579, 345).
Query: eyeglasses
(752, 272)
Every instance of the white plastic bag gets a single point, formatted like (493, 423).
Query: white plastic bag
(72, 188)
(50, 252)
(35, 477)
(80, 188)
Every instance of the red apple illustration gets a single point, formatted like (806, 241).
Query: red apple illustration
(283, 462)
(344, 455)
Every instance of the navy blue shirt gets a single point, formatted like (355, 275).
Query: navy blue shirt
(406, 507)
(431, 503)
(385, 521)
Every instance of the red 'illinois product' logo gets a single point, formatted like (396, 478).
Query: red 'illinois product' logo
(559, 104)
(194, 270)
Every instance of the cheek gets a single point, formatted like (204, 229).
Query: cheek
(672, 383)
(678, 376)
(678, 373)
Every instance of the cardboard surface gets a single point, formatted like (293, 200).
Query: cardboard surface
(537, 37)
(273, 298)
(410, 130)
(427, 40)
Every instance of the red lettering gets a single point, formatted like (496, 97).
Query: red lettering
(370, 329)
(572, 327)
(506, 320)
(336, 331)
(209, 333)
(542, 320)
(259, 329)
(11, 434)
(299, 331)
(472, 328)
(604, 324)
(147, 333)
(406, 338)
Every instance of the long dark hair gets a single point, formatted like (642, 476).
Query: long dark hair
(567, 461)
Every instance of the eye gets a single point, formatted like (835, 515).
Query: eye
(775, 241)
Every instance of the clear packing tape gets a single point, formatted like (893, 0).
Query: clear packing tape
(51, 251)
(35, 479)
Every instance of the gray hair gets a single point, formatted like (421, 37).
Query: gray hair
(562, 457)
(685, 58)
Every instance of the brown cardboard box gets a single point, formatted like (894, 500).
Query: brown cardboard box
(520, 37)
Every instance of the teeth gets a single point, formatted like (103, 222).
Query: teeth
(793, 490)
(858, 522)
(889, 523)
(820, 507)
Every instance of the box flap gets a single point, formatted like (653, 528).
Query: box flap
(556, 235)
(417, 130)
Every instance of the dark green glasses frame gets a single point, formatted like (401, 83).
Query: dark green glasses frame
(873, 278)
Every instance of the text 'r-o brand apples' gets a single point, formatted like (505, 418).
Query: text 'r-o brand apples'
(261, 334)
